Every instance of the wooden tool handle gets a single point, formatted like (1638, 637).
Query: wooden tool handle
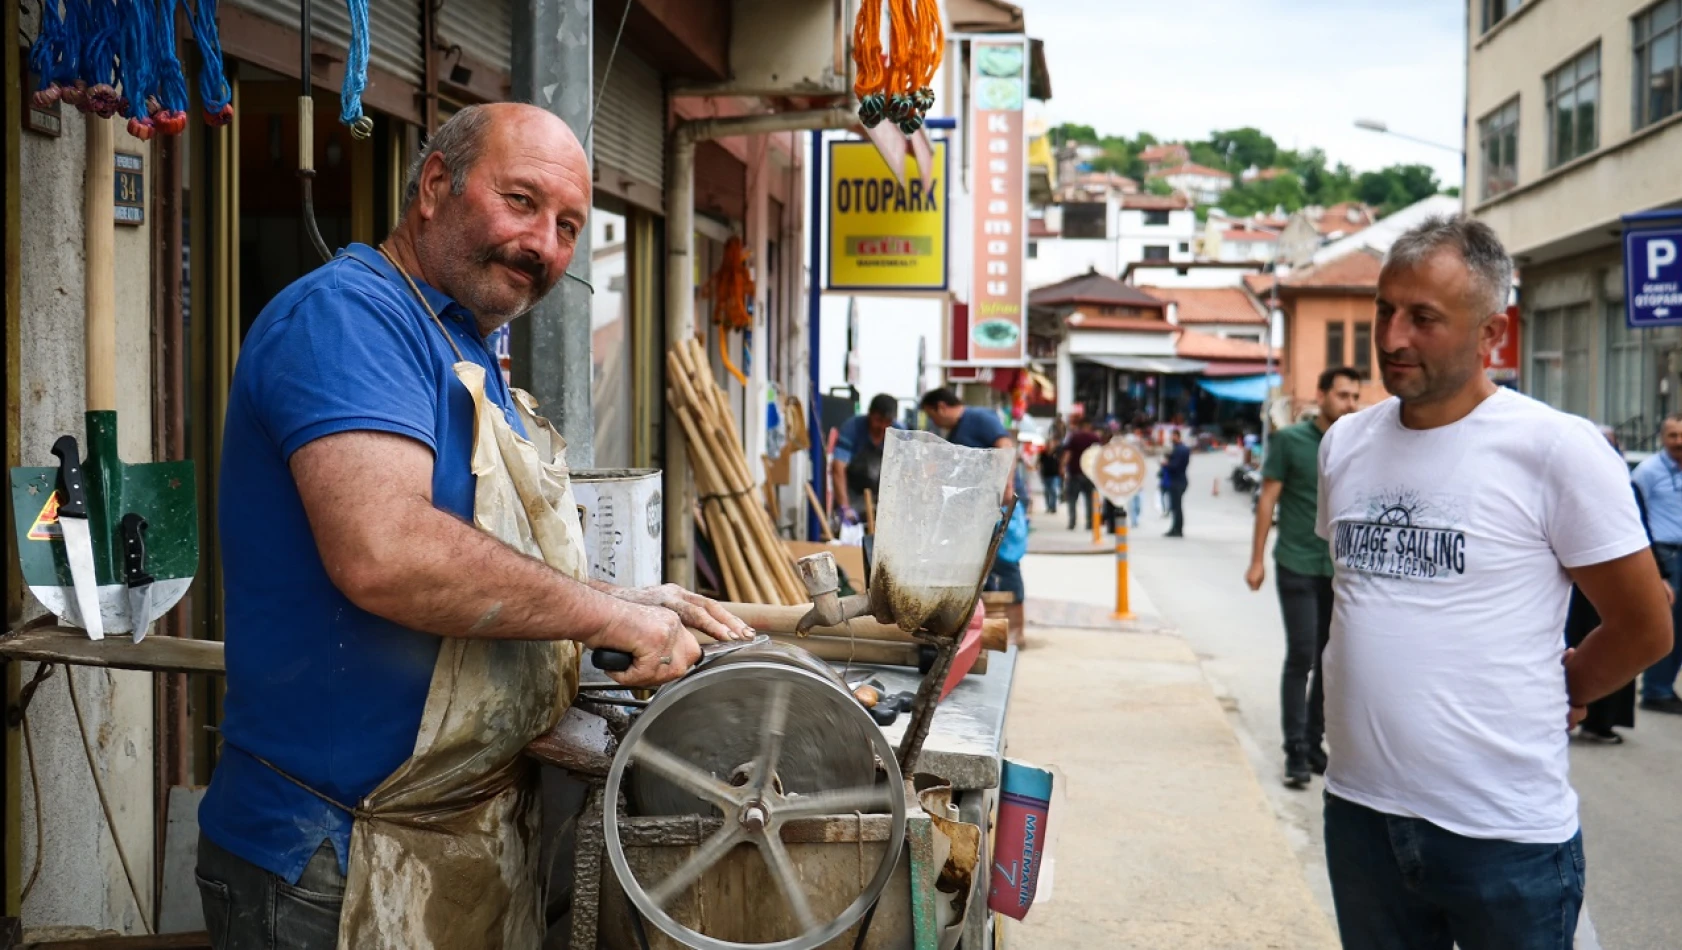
(775, 620)
(99, 275)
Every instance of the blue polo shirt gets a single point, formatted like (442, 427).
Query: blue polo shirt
(977, 428)
(329, 693)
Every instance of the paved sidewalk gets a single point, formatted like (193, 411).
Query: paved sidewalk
(1162, 838)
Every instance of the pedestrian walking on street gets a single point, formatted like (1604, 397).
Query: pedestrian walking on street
(1174, 483)
(1458, 514)
(1051, 466)
(1291, 480)
(1659, 479)
(1075, 483)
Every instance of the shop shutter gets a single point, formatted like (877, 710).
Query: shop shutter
(482, 28)
(630, 131)
(394, 25)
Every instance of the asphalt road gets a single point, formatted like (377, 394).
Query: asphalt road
(1631, 794)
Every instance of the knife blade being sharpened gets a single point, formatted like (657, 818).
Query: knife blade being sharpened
(132, 530)
(618, 661)
(78, 539)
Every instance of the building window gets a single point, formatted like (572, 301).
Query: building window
(1334, 345)
(1156, 252)
(1033, 250)
(1185, 247)
(1573, 105)
(1498, 144)
(1363, 349)
(1085, 220)
(1156, 218)
(1494, 11)
(1658, 62)
(1559, 357)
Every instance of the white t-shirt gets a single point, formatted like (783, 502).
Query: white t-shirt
(1445, 694)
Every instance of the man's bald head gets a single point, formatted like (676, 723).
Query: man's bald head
(461, 140)
(494, 208)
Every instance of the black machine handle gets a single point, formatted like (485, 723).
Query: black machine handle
(75, 503)
(611, 661)
(132, 529)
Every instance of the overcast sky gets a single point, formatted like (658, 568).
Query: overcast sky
(1300, 70)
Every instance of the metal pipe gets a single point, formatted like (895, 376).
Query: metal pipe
(815, 520)
(680, 294)
(306, 132)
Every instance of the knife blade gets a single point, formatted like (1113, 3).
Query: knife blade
(618, 661)
(78, 539)
(132, 530)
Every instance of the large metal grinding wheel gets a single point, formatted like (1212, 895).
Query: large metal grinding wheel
(758, 738)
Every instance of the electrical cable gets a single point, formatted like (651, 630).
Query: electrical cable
(607, 72)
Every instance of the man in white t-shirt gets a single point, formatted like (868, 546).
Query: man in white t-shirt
(1458, 515)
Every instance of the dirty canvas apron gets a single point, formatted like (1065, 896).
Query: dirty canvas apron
(444, 853)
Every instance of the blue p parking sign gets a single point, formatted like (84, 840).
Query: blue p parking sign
(1653, 274)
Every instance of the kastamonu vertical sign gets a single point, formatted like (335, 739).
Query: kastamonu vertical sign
(998, 304)
(884, 236)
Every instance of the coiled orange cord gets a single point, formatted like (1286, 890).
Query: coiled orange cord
(731, 287)
(897, 87)
(868, 69)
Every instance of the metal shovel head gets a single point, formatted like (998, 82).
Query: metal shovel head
(164, 493)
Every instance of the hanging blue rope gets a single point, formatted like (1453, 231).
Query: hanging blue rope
(171, 114)
(49, 56)
(214, 91)
(356, 72)
(138, 68)
(98, 62)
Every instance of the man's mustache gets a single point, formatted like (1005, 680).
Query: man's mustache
(528, 264)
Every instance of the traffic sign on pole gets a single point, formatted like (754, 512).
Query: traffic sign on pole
(1653, 270)
(1116, 468)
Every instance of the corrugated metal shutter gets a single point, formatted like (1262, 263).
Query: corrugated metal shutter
(395, 25)
(630, 131)
(482, 28)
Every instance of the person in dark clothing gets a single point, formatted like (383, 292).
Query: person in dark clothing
(1076, 485)
(1051, 467)
(1606, 715)
(1174, 467)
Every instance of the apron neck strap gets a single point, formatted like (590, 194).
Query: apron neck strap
(392, 260)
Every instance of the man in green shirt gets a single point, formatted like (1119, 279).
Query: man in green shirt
(1291, 479)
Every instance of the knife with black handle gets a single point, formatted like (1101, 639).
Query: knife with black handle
(132, 531)
(78, 538)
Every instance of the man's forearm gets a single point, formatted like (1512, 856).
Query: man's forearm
(838, 477)
(449, 578)
(1608, 659)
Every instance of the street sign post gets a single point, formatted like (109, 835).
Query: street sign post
(1117, 468)
(1653, 269)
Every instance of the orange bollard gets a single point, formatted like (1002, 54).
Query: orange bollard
(1121, 606)
(1097, 527)
(1215, 489)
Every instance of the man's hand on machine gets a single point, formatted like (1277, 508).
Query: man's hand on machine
(691, 608)
(661, 647)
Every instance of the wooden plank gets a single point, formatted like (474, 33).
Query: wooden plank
(156, 654)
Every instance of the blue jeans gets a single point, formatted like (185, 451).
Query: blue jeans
(1053, 490)
(1406, 884)
(1659, 682)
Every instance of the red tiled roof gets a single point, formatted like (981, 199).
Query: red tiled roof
(1259, 284)
(1158, 153)
(1336, 218)
(1193, 345)
(1081, 321)
(1155, 203)
(1092, 288)
(1242, 235)
(1210, 304)
(1267, 174)
(1191, 168)
(1037, 228)
(1356, 271)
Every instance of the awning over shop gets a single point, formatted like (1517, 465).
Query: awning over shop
(1241, 389)
(1170, 365)
(1226, 369)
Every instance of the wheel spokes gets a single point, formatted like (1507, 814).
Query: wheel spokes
(685, 775)
(771, 737)
(865, 798)
(708, 854)
(788, 881)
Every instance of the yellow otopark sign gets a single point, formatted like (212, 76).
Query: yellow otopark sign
(884, 236)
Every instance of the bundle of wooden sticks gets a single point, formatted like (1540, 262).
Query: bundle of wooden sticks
(752, 561)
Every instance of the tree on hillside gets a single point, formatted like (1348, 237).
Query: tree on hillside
(1071, 132)
(1393, 188)
(1264, 195)
(1244, 148)
(1156, 186)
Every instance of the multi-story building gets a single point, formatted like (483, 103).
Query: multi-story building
(1203, 184)
(1106, 233)
(1573, 120)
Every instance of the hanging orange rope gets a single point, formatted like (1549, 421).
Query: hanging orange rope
(897, 86)
(731, 288)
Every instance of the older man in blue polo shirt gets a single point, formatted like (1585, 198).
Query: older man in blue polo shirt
(355, 574)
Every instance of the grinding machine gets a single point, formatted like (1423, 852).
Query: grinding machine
(756, 804)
